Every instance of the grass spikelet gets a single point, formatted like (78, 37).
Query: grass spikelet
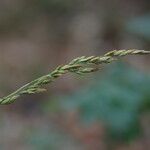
(80, 65)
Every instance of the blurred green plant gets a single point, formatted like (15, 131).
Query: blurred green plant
(140, 26)
(117, 99)
(80, 65)
(46, 138)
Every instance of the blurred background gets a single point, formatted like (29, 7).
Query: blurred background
(107, 110)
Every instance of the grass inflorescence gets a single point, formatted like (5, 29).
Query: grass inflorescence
(80, 65)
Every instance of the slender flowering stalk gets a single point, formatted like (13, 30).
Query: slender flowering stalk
(80, 65)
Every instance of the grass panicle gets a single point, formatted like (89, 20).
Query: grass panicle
(80, 65)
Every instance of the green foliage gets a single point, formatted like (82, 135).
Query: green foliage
(140, 26)
(49, 138)
(116, 99)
